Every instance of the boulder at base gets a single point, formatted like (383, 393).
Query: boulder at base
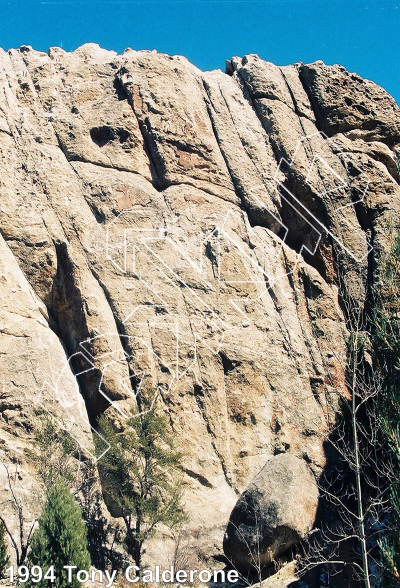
(273, 514)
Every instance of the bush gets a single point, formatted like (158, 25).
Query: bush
(60, 538)
(142, 478)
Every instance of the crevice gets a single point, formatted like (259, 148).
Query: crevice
(121, 332)
(246, 91)
(290, 212)
(228, 364)
(370, 279)
(299, 237)
(285, 332)
(256, 217)
(203, 481)
(294, 101)
(159, 179)
(120, 90)
(296, 109)
(200, 403)
(9, 133)
(317, 378)
(67, 320)
(199, 397)
(208, 103)
(311, 100)
(61, 319)
(68, 315)
(66, 307)
(202, 189)
(146, 136)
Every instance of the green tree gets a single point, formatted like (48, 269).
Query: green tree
(60, 538)
(4, 558)
(142, 477)
(57, 455)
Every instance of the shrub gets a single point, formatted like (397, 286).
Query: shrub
(60, 538)
(142, 477)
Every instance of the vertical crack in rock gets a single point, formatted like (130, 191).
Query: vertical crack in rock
(241, 164)
(123, 93)
(285, 210)
(199, 396)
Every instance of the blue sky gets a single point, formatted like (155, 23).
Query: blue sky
(363, 35)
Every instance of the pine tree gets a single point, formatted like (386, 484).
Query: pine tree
(60, 538)
(57, 455)
(4, 558)
(141, 477)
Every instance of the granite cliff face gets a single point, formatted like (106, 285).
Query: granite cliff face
(165, 229)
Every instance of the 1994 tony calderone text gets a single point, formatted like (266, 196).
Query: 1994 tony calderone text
(133, 574)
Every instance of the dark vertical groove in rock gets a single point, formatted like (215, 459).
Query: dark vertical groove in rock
(120, 330)
(238, 191)
(120, 88)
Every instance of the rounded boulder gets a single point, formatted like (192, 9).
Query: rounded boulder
(274, 513)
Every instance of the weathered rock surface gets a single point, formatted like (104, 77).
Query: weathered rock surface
(274, 513)
(187, 232)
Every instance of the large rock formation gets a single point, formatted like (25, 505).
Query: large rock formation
(169, 230)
